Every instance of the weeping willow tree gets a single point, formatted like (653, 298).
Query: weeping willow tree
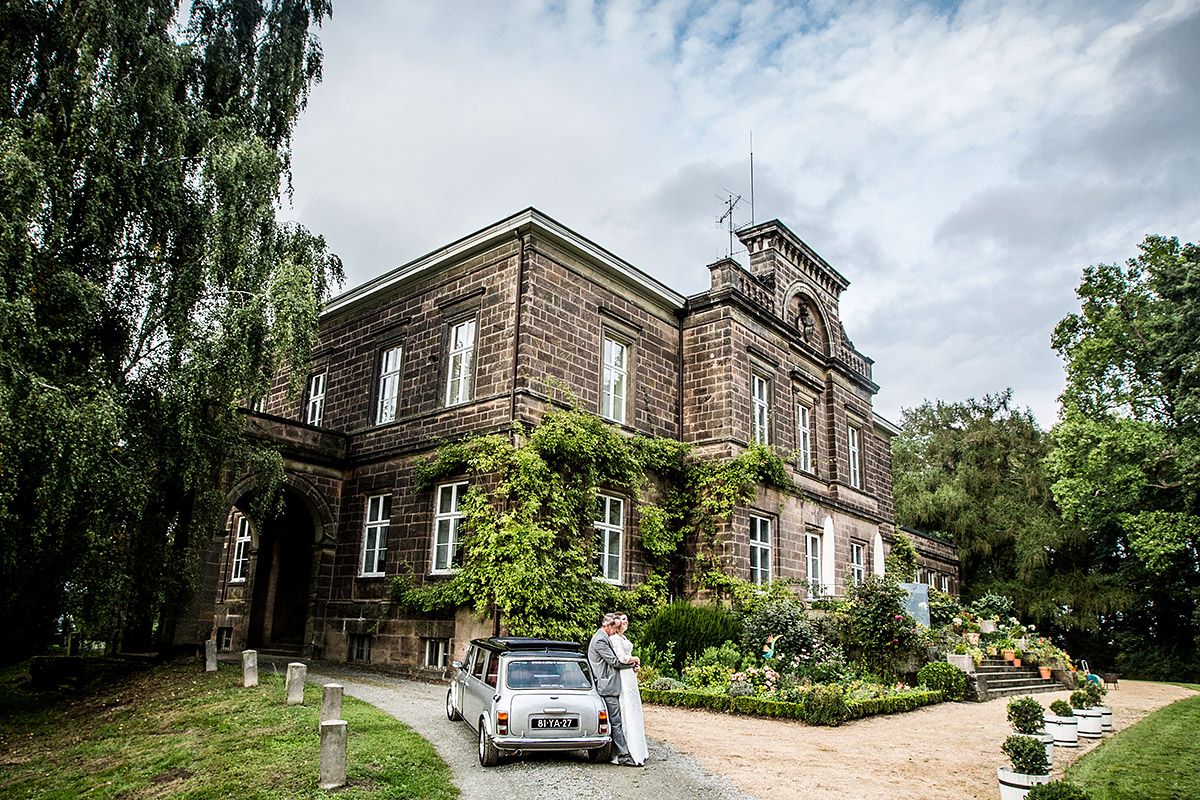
(148, 288)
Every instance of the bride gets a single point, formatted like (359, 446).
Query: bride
(633, 722)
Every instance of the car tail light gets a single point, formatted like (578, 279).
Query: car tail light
(602, 722)
(502, 723)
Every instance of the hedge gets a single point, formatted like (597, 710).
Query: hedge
(761, 707)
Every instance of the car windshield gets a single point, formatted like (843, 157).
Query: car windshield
(548, 675)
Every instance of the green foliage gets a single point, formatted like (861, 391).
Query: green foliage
(661, 659)
(1095, 692)
(707, 676)
(1060, 708)
(1057, 790)
(149, 289)
(690, 628)
(664, 684)
(829, 707)
(1028, 755)
(1026, 715)
(825, 704)
(901, 562)
(992, 606)
(945, 678)
(727, 655)
(943, 608)
(1082, 699)
(878, 633)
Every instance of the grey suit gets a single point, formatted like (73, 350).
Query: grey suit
(606, 672)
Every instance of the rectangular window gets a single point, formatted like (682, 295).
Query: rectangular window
(316, 399)
(260, 404)
(375, 535)
(437, 653)
(224, 639)
(614, 380)
(460, 369)
(241, 549)
(760, 550)
(389, 386)
(760, 408)
(610, 527)
(360, 647)
(804, 436)
(858, 563)
(446, 521)
(813, 543)
(855, 457)
(944, 583)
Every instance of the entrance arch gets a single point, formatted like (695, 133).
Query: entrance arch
(281, 579)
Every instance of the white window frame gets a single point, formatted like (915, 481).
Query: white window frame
(607, 532)
(375, 536)
(460, 363)
(316, 398)
(437, 653)
(241, 548)
(447, 543)
(359, 648)
(760, 408)
(259, 406)
(760, 549)
(387, 398)
(804, 436)
(858, 563)
(854, 452)
(812, 555)
(944, 582)
(614, 372)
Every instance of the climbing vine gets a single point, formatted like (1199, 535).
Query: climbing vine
(527, 547)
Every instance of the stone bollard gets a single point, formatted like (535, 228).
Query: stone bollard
(210, 655)
(331, 701)
(333, 754)
(295, 683)
(249, 668)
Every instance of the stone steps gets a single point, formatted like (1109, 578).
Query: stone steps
(996, 677)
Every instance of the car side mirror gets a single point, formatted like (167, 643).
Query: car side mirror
(456, 664)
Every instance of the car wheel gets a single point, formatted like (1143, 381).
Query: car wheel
(601, 754)
(451, 712)
(489, 755)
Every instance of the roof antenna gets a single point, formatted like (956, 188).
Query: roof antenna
(751, 177)
(727, 218)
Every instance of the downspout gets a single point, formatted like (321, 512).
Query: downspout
(517, 324)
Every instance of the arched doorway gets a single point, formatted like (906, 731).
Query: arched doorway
(281, 578)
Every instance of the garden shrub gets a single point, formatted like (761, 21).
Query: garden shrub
(877, 631)
(901, 562)
(1028, 755)
(666, 685)
(1057, 790)
(1026, 715)
(803, 646)
(727, 655)
(991, 606)
(1081, 699)
(825, 704)
(708, 676)
(1095, 692)
(943, 608)
(691, 628)
(647, 675)
(741, 689)
(1060, 708)
(945, 677)
(661, 659)
(765, 707)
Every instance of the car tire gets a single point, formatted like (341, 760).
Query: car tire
(600, 755)
(451, 712)
(489, 754)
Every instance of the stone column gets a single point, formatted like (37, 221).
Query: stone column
(249, 668)
(331, 701)
(295, 683)
(333, 754)
(210, 655)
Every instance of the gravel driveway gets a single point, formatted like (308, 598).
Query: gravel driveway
(668, 774)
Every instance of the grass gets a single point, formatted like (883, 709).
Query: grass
(176, 732)
(1156, 759)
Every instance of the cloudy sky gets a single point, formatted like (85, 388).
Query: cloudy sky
(960, 163)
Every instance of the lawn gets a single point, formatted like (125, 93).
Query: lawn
(1157, 759)
(175, 731)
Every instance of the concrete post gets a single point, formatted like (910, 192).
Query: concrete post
(295, 683)
(249, 668)
(331, 701)
(333, 754)
(210, 655)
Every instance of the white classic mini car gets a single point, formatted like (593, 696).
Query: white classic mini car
(528, 694)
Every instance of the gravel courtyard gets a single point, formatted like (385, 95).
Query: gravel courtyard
(944, 752)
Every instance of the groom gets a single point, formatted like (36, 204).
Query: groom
(604, 664)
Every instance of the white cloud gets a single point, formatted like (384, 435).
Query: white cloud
(960, 164)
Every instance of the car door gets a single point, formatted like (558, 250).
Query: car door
(477, 692)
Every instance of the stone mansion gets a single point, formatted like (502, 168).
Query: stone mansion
(466, 340)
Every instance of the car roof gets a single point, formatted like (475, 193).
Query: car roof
(518, 644)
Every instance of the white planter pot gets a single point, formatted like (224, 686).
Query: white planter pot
(1065, 730)
(987, 626)
(1106, 718)
(1089, 722)
(962, 661)
(1015, 785)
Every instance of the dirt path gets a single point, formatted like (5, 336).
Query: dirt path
(948, 752)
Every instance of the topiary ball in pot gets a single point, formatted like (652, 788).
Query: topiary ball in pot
(1026, 715)
(1028, 755)
(1060, 708)
(1081, 699)
(1057, 790)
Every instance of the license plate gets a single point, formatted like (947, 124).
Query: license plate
(553, 723)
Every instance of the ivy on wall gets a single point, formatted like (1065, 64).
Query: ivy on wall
(527, 540)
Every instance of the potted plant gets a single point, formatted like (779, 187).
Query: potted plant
(1087, 715)
(1058, 790)
(1008, 649)
(1017, 653)
(1029, 767)
(1096, 691)
(1061, 724)
(1027, 718)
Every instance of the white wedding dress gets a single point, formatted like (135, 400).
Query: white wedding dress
(632, 721)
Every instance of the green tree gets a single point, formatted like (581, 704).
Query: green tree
(148, 289)
(973, 472)
(1126, 458)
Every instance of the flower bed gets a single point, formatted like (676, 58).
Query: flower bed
(804, 709)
